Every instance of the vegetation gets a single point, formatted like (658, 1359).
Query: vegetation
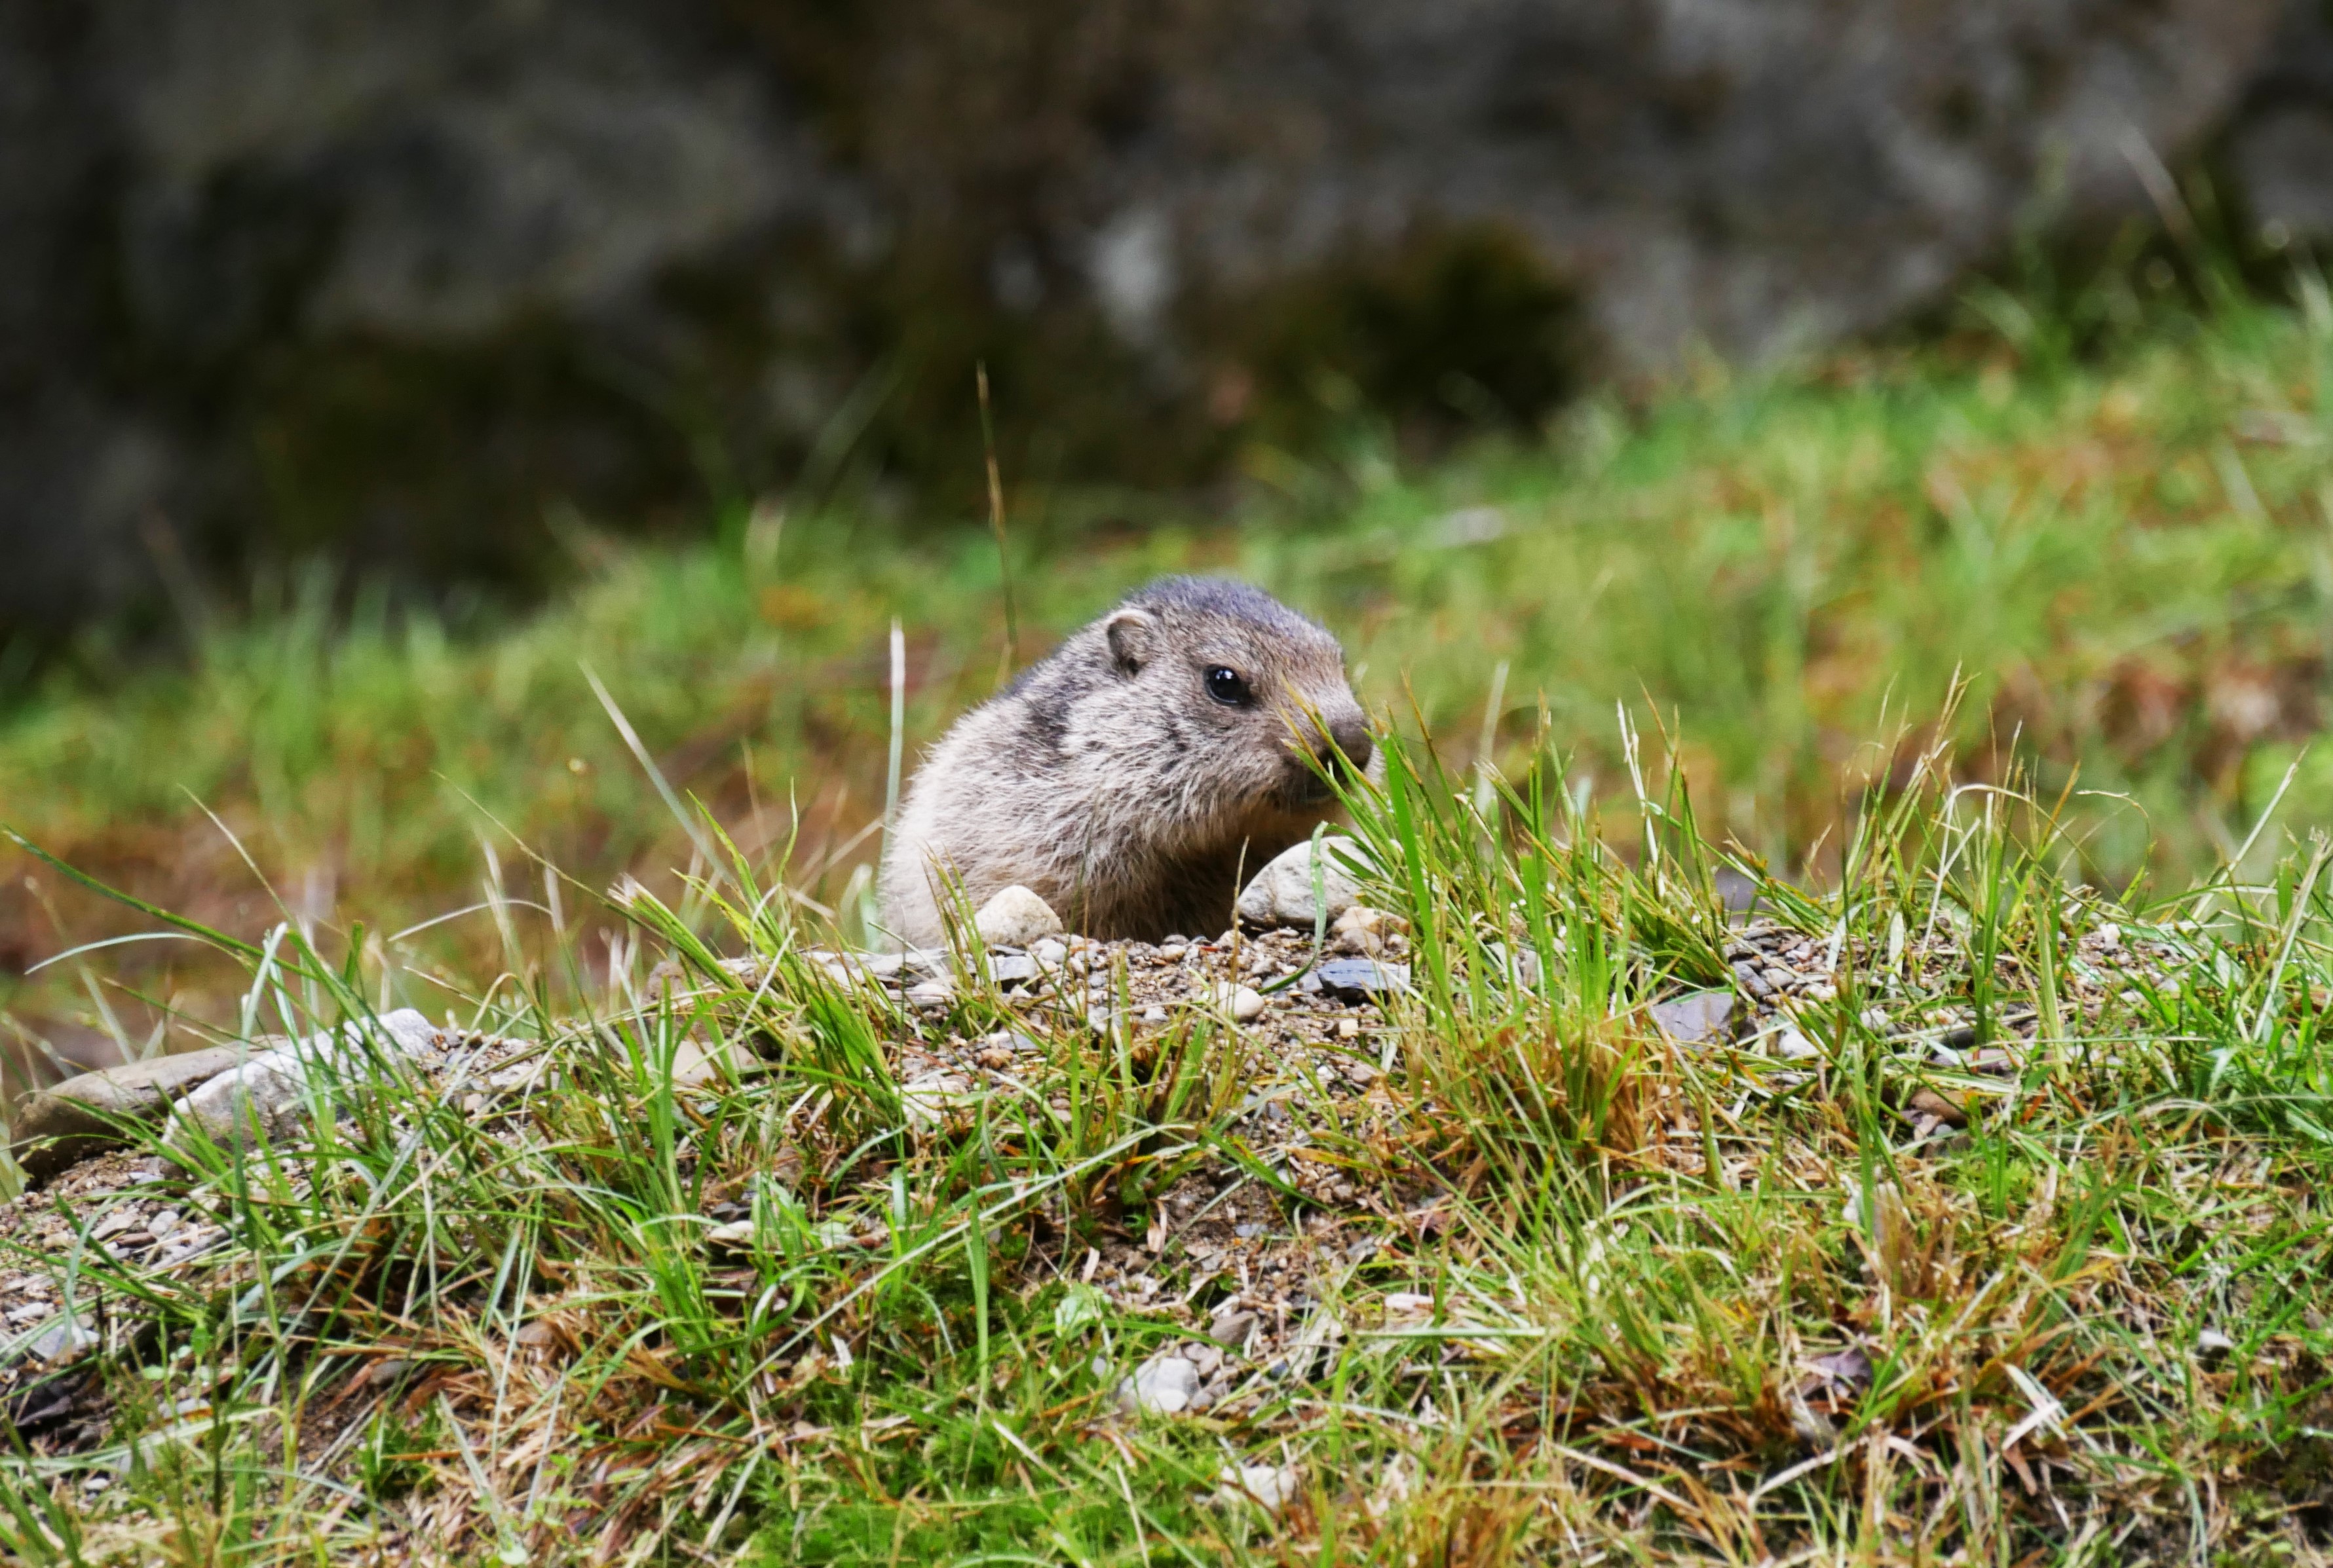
(2126, 553)
(1993, 1230)
(2000, 1231)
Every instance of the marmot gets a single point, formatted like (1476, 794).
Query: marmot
(1130, 777)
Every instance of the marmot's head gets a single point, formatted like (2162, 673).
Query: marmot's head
(1241, 696)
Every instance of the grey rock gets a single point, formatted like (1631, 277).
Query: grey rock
(1793, 1045)
(65, 1336)
(1282, 893)
(1698, 1017)
(271, 1094)
(2279, 145)
(1231, 1328)
(930, 1100)
(874, 965)
(927, 962)
(244, 197)
(114, 1224)
(1164, 1385)
(932, 994)
(1849, 1369)
(69, 1122)
(1012, 967)
(1358, 980)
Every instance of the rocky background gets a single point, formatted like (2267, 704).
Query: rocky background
(399, 283)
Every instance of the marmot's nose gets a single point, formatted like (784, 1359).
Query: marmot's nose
(1351, 737)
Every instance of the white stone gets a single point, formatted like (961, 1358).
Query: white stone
(1271, 1487)
(695, 1064)
(1016, 917)
(1519, 968)
(1244, 1005)
(1162, 1386)
(929, 1101)
(1282, 893)
(735, 1236)
(113, 1225)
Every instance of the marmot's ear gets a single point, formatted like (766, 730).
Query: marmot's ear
(1130, 632)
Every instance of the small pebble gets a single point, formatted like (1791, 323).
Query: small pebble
(113, 1224)
(1271, 1487)
(1244, 1004)
(1162, 1386)
(1360, 979)
(1232, 1327)
(732, 1238)
(1016, 917)
(1697, 1018)
(1793, 1047)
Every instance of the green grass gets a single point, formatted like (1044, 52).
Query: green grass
(2130, 556)
(1636, 1259)
(1602, 1275)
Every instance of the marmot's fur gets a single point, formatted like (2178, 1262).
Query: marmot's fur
(1129, 777)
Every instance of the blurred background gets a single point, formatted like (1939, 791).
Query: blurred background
(369, 371)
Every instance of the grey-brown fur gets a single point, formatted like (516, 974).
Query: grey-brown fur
(1110, 781)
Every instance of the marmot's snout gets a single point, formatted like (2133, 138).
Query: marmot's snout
(1335, 746)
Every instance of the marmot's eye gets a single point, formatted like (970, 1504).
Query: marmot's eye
(1225, 686)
